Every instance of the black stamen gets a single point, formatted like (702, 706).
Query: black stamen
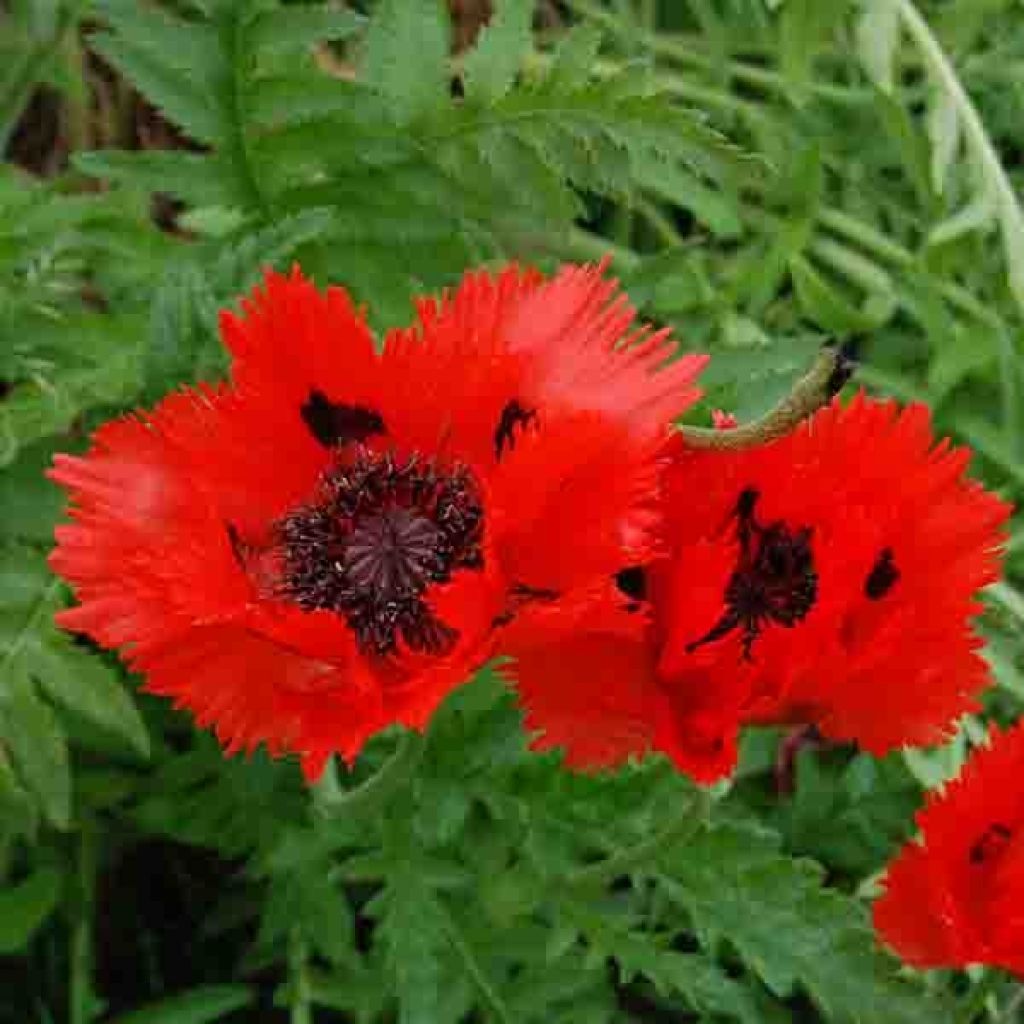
(633, 582)
(745, 503)
(991, 843)
(513, 417)
(237, 547)
(378, 534)
(334, 423)
(774, 581)
(883, 576)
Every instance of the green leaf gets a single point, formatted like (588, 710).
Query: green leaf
(196, 178)
(491, 66)
(287, 29)
(412, 929)
(83, 683)
(573, 65)
(974, 216)
(878, 36)
(406, 58)
(176, 65)
(30, 730)
(25, 907)
(102, 369)
(790, 929)
(202, 1005)
(825, 305)
(943, 126)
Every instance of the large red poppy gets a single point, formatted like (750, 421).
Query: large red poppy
(336, 539)
(955, 895)
(829, 577)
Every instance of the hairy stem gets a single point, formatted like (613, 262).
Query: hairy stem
(80, 956)
(693, 818)
(299, 1003)
(976, 137)
(332, 801)
(830, 371)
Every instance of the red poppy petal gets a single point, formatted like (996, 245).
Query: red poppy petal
(584, 675)
(252, 690)
(148, 552)
(956, 895)
(576, 499)
(584, 352)
(292, 340)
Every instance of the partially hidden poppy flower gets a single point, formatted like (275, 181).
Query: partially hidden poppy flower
(334, 540)
(954, 896)
(826, 578)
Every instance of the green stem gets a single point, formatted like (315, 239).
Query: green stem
(694, 818)
(332, 801)
(490, 996)
(974, 1005)
(300, 999)
(677, 48)
(976, 138)
(80, 955)
(1013, 1006)
(809, 394)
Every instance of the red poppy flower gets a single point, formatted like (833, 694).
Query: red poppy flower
(328, 544)
(828, 578)
(955, 896)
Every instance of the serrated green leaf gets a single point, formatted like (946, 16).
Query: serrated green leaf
(25, 907)
(101, 369)
(196, 178)
(30, 731)
(791, 930)
(202, 1005)
(285, 29)
(85, 685)
(412, 929)
(491, 66)
(179, 92)
(573, 65)
(406, 58)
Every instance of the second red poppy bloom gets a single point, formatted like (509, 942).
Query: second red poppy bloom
(827, 578)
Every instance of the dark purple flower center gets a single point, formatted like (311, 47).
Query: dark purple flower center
(774, 582)
(377, 534)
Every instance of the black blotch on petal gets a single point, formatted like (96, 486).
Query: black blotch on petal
(333, 423)
(992, 841)
(513, 417)
(883, 576)
(633, 582)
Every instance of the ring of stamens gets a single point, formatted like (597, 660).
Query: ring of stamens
(377, 534)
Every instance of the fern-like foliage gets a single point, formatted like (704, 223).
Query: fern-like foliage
(411, 176)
